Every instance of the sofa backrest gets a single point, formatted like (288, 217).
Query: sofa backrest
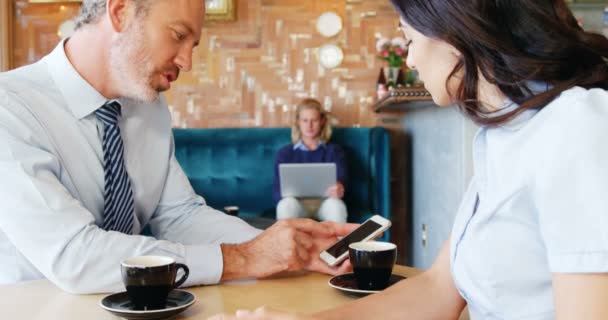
(234, 166)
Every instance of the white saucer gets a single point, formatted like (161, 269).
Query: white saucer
(120, 305)
(347, 284)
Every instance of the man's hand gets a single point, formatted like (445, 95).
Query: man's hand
(336, 191)
(322, 243)
(262, 313)
(288, 245)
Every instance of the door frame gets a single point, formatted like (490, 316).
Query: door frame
(6, 35)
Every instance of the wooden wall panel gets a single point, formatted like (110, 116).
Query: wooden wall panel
(35, 29)
(253, 71)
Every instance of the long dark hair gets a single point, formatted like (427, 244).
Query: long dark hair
(512, 42)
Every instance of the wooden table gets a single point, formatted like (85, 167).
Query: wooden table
(302, 292)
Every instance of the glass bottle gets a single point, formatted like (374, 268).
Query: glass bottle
(605, 27)
(401, 82)
(381, 88)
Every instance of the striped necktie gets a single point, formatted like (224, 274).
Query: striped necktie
(118, 195)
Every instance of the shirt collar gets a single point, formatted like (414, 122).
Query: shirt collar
(81, 98)
(301, 146)
(536, 87)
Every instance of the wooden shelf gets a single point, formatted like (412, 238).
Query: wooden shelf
(587, 5)
(401, 98)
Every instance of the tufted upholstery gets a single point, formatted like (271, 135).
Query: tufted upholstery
(235, 167)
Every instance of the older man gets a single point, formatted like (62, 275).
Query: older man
(87, 160)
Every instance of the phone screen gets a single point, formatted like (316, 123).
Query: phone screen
(359, 234)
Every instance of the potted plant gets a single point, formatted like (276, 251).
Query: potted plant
(394, 52)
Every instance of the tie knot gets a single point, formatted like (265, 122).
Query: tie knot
(109, 113)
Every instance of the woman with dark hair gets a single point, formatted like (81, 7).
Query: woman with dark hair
(530, 239)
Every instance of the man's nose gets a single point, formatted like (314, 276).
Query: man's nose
(183, 60)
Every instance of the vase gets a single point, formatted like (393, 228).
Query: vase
(391, 74)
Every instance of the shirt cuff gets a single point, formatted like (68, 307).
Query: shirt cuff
(206, 264)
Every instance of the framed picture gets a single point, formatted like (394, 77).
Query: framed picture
(220, 10)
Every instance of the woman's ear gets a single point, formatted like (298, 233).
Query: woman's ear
(455, 52)
(118, 12)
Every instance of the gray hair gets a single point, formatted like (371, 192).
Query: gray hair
(92, 10)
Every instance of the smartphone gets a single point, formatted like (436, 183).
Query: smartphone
(369, 229)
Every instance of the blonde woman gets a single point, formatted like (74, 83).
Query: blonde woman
(310, 134)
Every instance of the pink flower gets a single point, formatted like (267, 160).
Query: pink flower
(392, 51)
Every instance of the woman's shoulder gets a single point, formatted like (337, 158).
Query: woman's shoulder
(577, 108)
(575, 122)
(583, 96)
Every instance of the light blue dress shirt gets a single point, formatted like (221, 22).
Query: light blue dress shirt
(301, 146)
(542, 182)
(51, 195)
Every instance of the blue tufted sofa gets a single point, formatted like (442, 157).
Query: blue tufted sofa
(235, 167)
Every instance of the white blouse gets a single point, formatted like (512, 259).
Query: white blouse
(542, 187)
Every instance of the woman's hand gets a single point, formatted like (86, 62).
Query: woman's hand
(262, 313)
(336, 191)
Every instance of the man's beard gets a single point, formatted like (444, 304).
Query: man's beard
(131, 65)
